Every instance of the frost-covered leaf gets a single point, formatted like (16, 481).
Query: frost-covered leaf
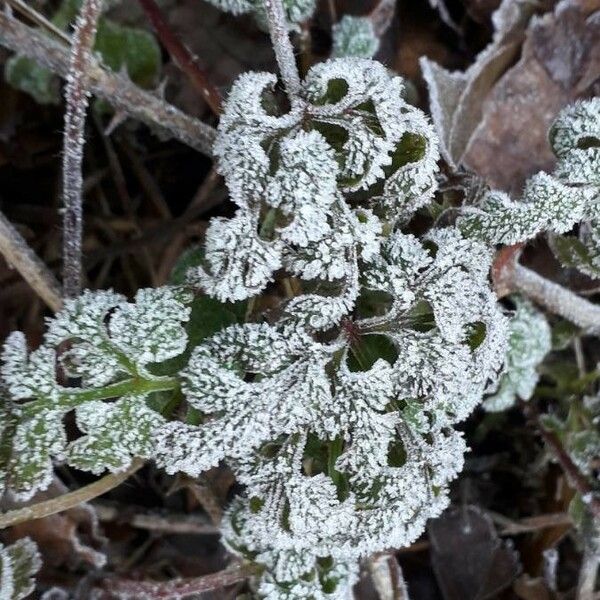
(114, 434)
(111, 337)
(528, 343)
(239, 264)
(550, 203)
(296, 10)
(111, 343)
(354, 36)
(19, 563)
(581, 252)
(547, 205)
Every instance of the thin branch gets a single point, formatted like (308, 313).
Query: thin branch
(284, 51)
(182, 56)
(38, 19)
(510, 276)
(156, 590)
(576, 478)
(156, 521)
(116, 89)
(67, 501)
(76, 98)
(19, 255)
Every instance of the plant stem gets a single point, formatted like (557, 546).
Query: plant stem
(116, 89)
(155, 590)
(67, 501)
(182, 56)
(19, 255)
(576, 478)
(510, 276)
(76, 98)
(284, 51)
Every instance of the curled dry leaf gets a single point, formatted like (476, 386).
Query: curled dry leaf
(559, 63)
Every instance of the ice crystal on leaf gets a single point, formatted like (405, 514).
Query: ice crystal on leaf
(19, 563)
(552, 203)
(354, 36)
(528, 343)
(296, 10)
(111, 345)
(293, 174)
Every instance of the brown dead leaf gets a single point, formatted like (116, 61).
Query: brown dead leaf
(560, 61)
(529, 588)
(469, 559)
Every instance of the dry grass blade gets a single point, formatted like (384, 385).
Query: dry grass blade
(19, 255)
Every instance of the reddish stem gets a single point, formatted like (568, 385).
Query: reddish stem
(576, 478)
(182, 57)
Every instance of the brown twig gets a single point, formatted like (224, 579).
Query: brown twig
(76, 99)
(182, 57)
(576, 478)
(115, 88)
(156, 521)
(66, 501)
(19, 255)
(156, 590)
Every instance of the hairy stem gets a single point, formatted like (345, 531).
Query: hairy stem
(154, 590)
(19, 255)
(67, 501)
(182, 57)
(76, 98)
(284, 51)
(116, 89)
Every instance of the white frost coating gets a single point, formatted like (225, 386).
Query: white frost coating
(110, 341)
(19, 563)
(296, 10)
(275, 401)
(552, 203)
(528, 343)
(293, 173)
(354, 36)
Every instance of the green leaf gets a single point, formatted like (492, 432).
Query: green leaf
(18, 564)
(134, 49)
(26, 75)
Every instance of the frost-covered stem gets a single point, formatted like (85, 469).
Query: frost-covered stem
(556, 298)
(67, 501)
(387, 577)
(116, 89)
(19, 255)
(155, 590)
(588, 574)
(284, 51)
(182, 56)
(76, 98)
(510, 276)
(576, 478)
